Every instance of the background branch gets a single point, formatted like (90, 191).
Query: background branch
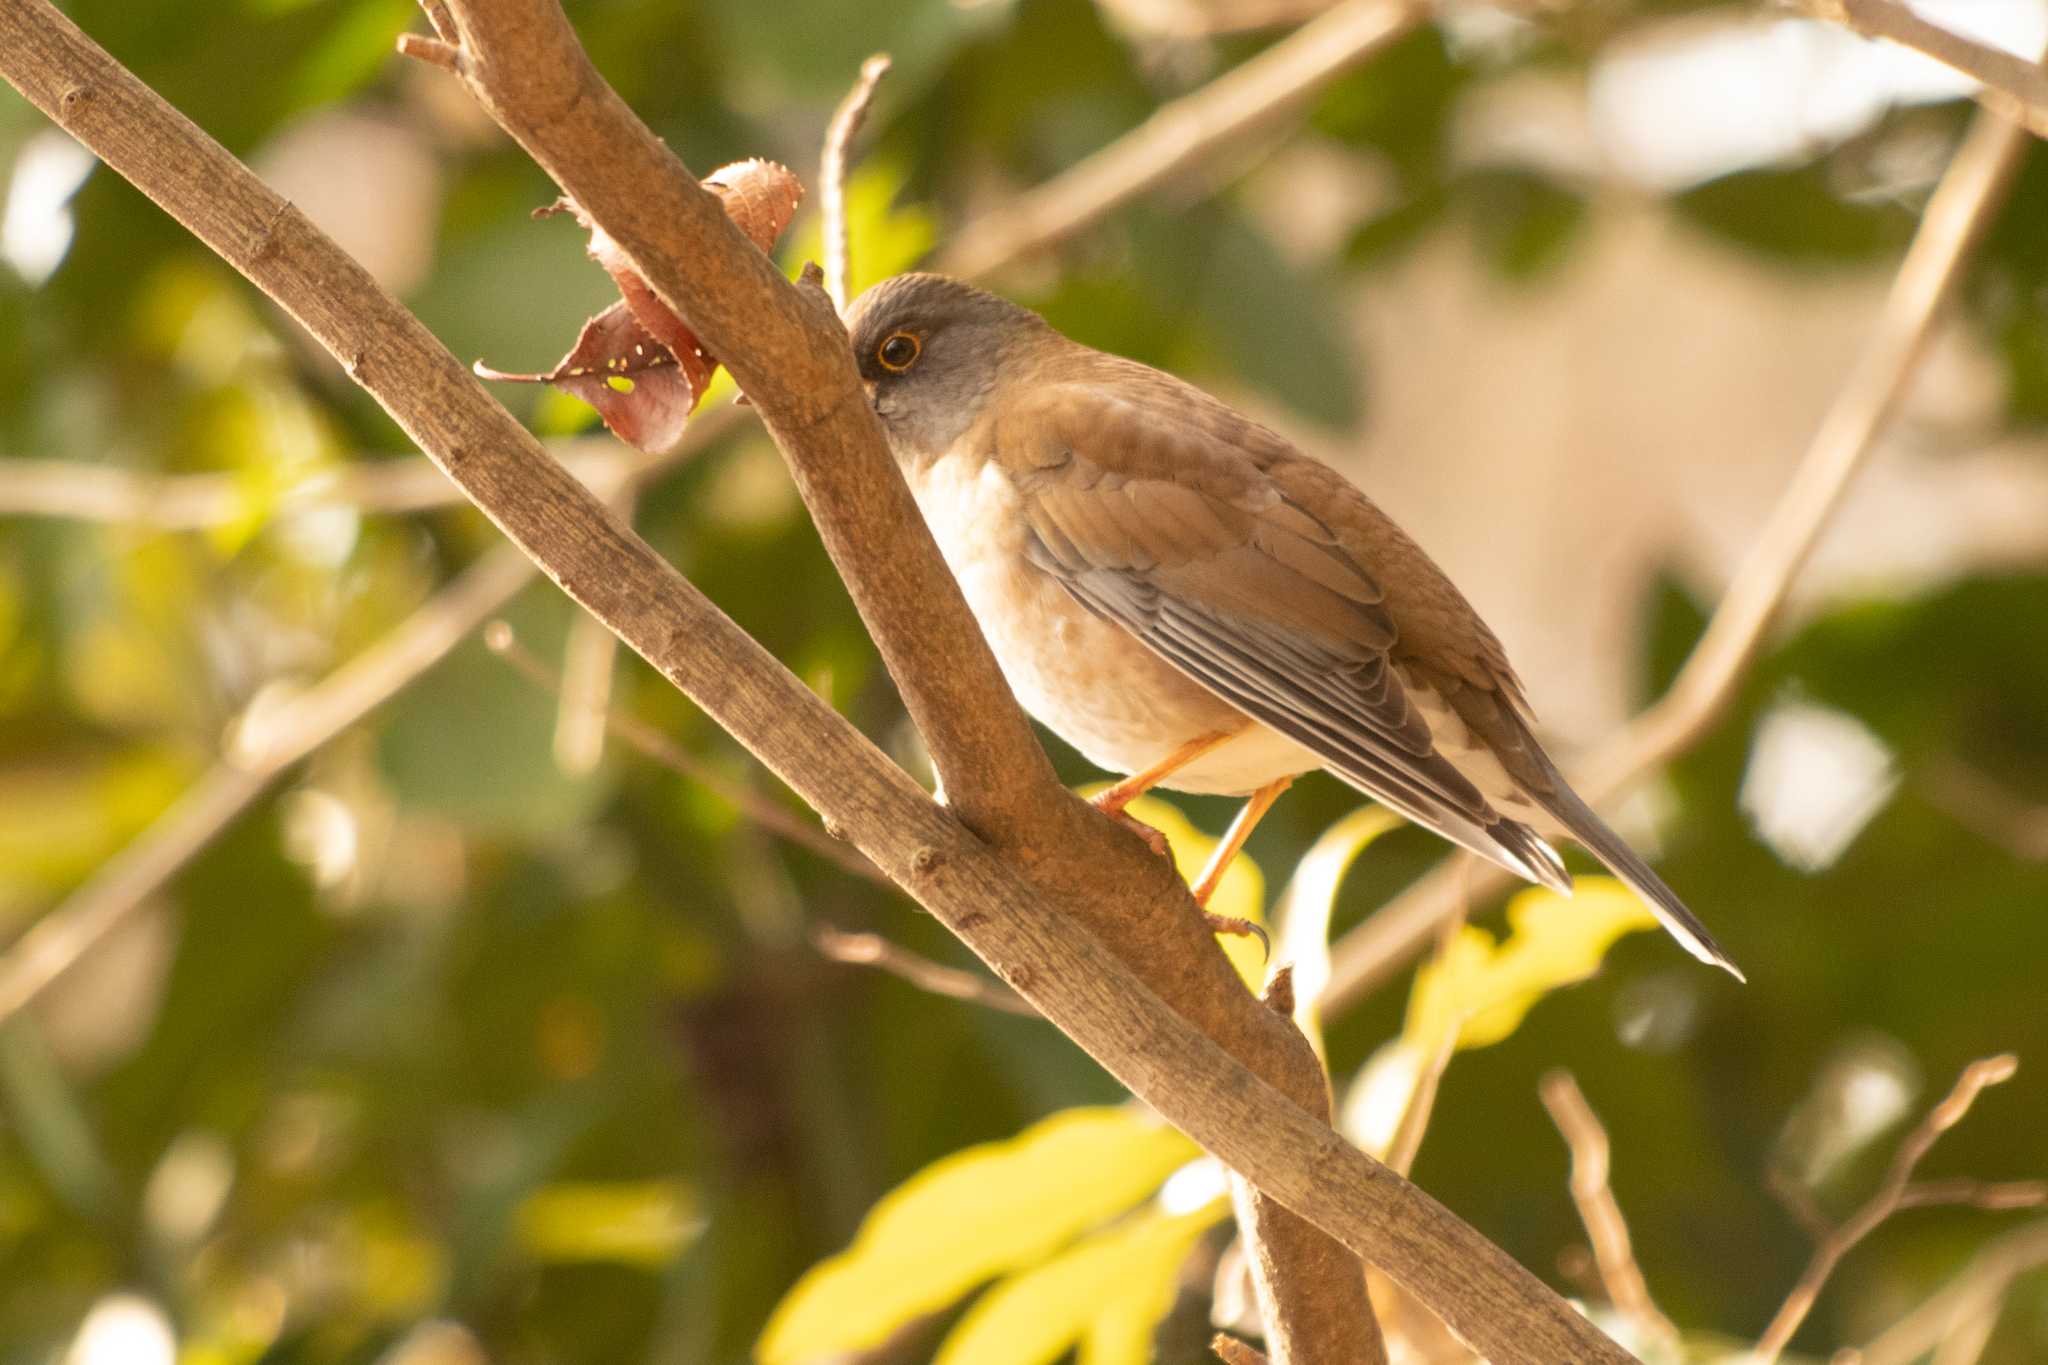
(77, 491)
(1598, 1209)
(2012, 86)
(1282, 78)
(1976, 1293)
(500, 639)
(1955, 220)
(786, 352)
(872, 950)
(1886, 1200)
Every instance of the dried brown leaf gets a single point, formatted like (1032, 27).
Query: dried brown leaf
(638, 363)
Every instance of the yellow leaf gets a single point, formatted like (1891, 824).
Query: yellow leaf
(64, 820)
(1480, 991)
(1105, 1294)
(1303, 939)
(640, 1223)
(884, 238)
(968, 1217)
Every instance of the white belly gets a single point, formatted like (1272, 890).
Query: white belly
(1085, 678)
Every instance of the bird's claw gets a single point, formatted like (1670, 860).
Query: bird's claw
(1231, 924)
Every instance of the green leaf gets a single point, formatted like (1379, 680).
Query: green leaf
(1524, 222)
(968, 1217)
(1105, 1294)
(1480, 991)
(640, 1223)
(63, 821)
(1794, 216)
(355, 51)
(883, 237)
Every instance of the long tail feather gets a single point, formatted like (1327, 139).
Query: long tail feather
(1603, 843)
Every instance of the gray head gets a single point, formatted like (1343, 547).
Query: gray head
(931, 350)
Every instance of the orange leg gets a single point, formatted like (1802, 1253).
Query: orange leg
(1233, 841)
(1113, 800)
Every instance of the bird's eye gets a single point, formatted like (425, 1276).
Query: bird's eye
(899, 352)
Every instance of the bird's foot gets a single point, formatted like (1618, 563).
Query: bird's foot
(1231, 924)
(1154, 840)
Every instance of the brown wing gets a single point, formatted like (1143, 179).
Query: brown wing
(1159, 523)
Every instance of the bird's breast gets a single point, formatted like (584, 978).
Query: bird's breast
(1086, 679)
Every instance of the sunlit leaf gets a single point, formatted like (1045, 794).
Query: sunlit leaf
(354, 51)
(1480, 990)
(884, 238)
(640, 1223)
(1105, 1294)
(63, 821)
(1303, 940)
(1475, 992)
(968, 1217)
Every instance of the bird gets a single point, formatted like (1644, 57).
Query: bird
(1191, 600)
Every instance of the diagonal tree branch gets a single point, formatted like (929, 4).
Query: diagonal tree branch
(1956, 217)
(1029, 871)
(2012, 86)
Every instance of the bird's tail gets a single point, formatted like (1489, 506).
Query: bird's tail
(1584, 825)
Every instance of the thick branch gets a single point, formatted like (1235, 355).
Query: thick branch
(1955, 219)
(1283, 77)
(785, 354)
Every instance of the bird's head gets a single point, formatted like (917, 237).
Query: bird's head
(931, 350)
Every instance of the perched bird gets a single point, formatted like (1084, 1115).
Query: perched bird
(1187, 598)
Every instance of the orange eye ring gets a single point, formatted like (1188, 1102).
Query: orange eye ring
(898, 352)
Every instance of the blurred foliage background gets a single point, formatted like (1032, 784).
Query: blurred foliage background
(452, 1049)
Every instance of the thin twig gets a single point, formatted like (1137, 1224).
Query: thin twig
(1982, 805)
(1996, 1196)
(590, 657)
(1179, 135)
(1231, 1351)
(1956, 217)
(1598, 1209)
(1414, 1125)
(1975, 1293)
(432, 51)
(872, 950)
(1887, 1199)
(839, 136)
(655, 745)
(2013, 87)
